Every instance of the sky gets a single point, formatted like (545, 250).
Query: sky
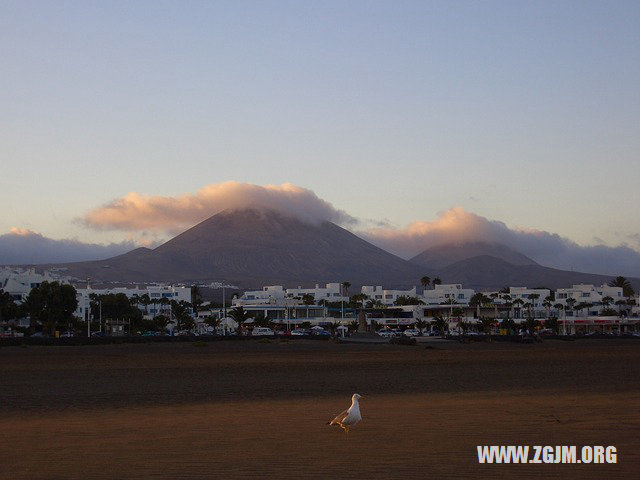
(396, 116)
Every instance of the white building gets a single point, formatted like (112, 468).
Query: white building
(332, 292)
(154, 292)
(268, 295)
(19, 282)
(386, 297)
(589, 294)
(534, 296)
(444, 294)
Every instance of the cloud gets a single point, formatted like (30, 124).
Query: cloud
(135, 212)
(457, 226)
(21, 247)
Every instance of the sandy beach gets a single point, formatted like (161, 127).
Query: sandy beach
(259, 410)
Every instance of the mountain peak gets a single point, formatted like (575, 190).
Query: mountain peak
(444, 255)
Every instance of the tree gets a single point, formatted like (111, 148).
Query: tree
(52, 303)
(8, 308)
(196, 298)
(552, 324)
(239, 314)
(308, 299)
(436, 281)
(620, 303)
(570, 303)
(182, 315)
(558, 306)
(405, 300)
(440, 324)
(478, 300)
(358, 299)
(518, 302)
(487, 324)
(533, 297)
(625, 284)
(531, 324)
(425, 281)
(421, 324)
(509, 325)
(213, 322)
(160, 322)
(345, 288)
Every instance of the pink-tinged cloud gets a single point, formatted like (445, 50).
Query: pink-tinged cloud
(135, 212)
(457, 226)
(25, 247)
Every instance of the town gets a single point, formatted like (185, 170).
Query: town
(33, 304)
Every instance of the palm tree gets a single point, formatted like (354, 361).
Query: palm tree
(425, 281)
(440, 324)
(620, 303)
(345, 288)
(570, 303)
(196, 298)
(421, 324)
(239, 314)
(519, 302)
(625, 284)
(436, 281)
(478, 300)
(558, 306)
(533, 297)
(487, 325)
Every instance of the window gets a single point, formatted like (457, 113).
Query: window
(388, 297)
(378, 297)
(461, 296)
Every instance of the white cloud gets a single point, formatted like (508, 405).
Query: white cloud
(457, 226)
(135, 212)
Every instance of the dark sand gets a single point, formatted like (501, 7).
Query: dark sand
(253, 410)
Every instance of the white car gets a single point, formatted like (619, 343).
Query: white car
(385, 333)
(262, 332)
(411, 332)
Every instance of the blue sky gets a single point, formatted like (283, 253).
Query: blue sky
(522, 112)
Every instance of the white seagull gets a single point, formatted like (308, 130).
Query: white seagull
(350, 416)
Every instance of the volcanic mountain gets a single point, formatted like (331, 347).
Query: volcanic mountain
(443, 255)
(255, 247)
(485, 266)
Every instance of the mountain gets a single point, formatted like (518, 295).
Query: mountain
(443, 255)
(485, 266)
(256, 247)
(485, 272)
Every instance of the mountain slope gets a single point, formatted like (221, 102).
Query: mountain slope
(490, 273)
(443, 255)
(255, 247)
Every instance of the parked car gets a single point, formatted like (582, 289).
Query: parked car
(320, 333)
(411, 332)
(385, 333)
(262, 332)
(299, 332)
(98, 334)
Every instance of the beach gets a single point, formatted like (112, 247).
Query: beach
(250, 409)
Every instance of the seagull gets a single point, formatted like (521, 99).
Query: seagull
(350, 416)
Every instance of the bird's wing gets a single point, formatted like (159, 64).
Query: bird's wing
(339, 417)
